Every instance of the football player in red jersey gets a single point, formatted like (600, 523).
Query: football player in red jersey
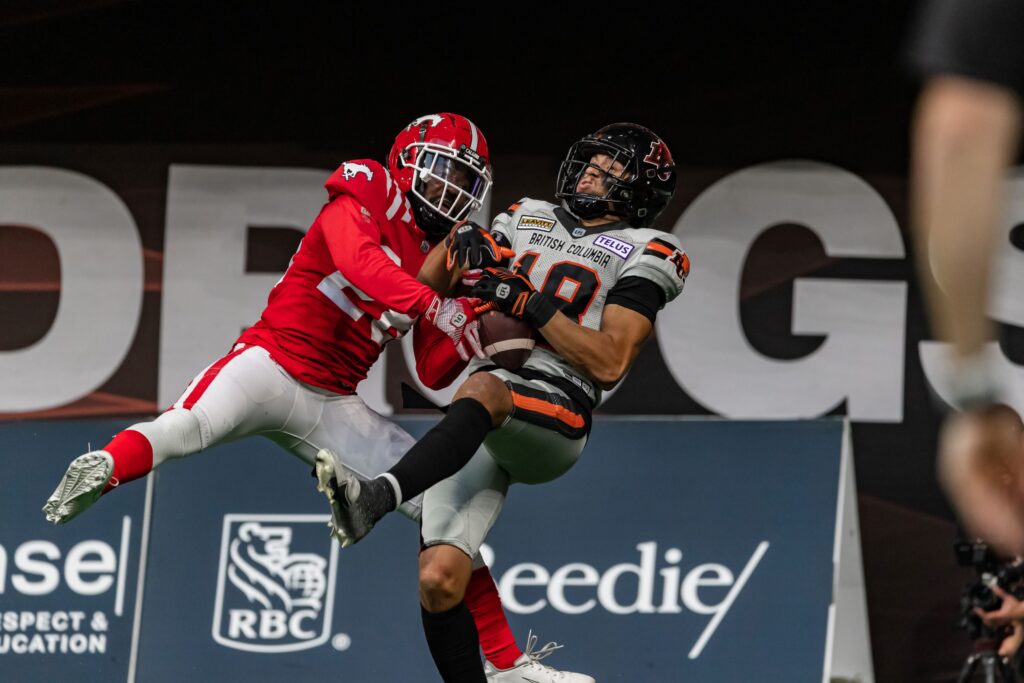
(594, 304)
(363, 275)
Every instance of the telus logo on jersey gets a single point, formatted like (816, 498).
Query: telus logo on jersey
(275, 584)
(618, 247)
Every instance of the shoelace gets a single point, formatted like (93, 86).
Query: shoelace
(536, 656)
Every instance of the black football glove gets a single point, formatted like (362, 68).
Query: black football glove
(471, 246)
(514, 295)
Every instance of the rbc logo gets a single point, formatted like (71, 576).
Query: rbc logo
(275, 583)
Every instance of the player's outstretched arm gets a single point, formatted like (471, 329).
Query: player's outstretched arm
(467, 248)
(354, 240)
(606, 354)
(965, 136)
(435, 274)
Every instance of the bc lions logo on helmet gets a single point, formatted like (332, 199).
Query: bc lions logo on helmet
(659, 157)
(275, 586)
(351, 170)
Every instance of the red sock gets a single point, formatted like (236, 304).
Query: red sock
(484, 604)
(133, 457)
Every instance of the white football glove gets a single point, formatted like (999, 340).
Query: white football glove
(457, 319)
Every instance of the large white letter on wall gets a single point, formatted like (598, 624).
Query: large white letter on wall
(100, 289)
(861, 360)
(207, 296)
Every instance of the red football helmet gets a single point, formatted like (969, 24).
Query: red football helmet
(441, 161)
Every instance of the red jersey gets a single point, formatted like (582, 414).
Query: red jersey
(351, 287)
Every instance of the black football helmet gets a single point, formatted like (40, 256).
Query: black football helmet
(639, 194)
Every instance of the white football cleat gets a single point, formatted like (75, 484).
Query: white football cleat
(356, 504)
(326, 483)
(81, 486)
(528, 669)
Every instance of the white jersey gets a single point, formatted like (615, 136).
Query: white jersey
(578, 267)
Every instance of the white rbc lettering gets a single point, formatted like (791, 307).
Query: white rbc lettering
(295, 624)
(270, 624)
(273, 624)
(240, 624)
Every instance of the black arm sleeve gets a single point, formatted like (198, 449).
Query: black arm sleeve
(979, 39)
(638, 294)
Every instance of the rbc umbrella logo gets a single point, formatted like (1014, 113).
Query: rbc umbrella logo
(275, 583)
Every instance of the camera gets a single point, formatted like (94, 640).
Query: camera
(991, 570)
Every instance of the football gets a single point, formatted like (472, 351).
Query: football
(506, 340)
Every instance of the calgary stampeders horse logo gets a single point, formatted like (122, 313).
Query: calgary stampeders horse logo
(350, 170)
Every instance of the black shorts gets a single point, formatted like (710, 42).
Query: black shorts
(566, 410)
(979, 39)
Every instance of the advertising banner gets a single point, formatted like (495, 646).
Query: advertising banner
(67, 594)
(669, 543)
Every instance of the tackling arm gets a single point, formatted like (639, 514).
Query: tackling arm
(353, 238)
(435, 274)
(438, 362)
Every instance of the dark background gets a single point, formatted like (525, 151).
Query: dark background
(739, 84)
(119, 90)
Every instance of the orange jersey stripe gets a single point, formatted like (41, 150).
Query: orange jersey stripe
(654, 246)
(560, 413)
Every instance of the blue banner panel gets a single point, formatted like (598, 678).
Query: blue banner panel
(244, 581)
(674, 550)
(681, 551)
(67, 593)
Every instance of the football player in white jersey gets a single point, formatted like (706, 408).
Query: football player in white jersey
(590, 277)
